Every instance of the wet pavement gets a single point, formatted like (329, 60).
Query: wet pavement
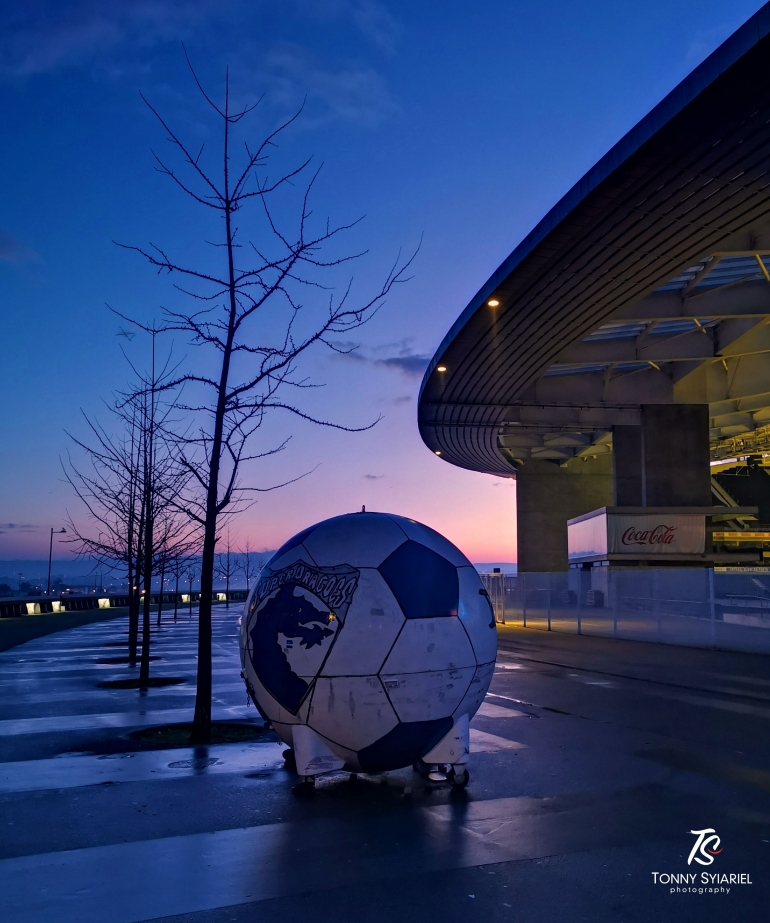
(592, 760)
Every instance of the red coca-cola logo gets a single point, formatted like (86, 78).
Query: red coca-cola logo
(660, 535)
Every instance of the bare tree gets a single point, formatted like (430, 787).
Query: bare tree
(129, 488)
(241, 296)
(227, 567)
(110, 489)
(191, 576)
(251, 566)
(177, 565)
(163, 479)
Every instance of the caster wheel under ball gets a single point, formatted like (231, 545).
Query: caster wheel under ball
(460, 778)
(305, 788)
(289, 760)
(437, 774)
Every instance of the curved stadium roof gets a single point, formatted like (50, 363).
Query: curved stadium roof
(649, 282)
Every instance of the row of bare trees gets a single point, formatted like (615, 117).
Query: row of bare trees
(129, 485)
(272, 288)
(231, 563)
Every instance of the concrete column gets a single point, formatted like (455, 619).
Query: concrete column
(547, 495)
(675, 455)
(627, 465)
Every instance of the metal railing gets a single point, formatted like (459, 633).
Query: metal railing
(695, 607)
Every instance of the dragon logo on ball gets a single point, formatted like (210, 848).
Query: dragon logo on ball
(294, 618)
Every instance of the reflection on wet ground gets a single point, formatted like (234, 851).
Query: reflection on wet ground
(592, 762)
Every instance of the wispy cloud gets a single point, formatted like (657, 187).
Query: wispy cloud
(45, 35)
(13, 251)
(373, 477)
(398, 357)
(372, 19)
(23, 260)
(376, 22)
(42, 36)
(704, 41)
(413, 365)
(16, 527)
(354, 94)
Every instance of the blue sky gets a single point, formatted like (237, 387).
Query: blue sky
(455, 122)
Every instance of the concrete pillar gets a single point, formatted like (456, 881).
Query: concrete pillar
(675, 455)
(547, 495)
(627, 465)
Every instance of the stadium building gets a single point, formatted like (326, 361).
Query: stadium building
(617, 364)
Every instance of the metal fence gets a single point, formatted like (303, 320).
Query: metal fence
(688, 606)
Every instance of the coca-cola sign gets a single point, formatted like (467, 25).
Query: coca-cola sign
(678, 533)
(660, 535)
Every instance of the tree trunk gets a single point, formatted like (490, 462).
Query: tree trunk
(176, 594)
(201, 729)
(133, 616)
(160, 596)
(139, 570)
(144, 670)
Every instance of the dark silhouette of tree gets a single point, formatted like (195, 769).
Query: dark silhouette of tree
(128, 488)
(191, 575)
(260, 302)
(109, 486)
(227, 567)
(176, 567)
(251, 564)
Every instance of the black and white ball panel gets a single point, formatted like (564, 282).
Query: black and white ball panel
(477, 690)
(476, 615)
(431, 539)
(360, 540)
(372, 625)
(427, 696)
(353, 711)
(427, 645)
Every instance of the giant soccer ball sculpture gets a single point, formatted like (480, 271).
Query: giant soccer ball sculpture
(369, 643)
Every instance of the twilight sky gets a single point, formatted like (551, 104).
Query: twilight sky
(461, 123)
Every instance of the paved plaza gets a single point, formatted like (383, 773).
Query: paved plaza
(592, 761)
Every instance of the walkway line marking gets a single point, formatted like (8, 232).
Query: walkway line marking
(481, 742)
(488, 710)
(143, 766)
(127, 719)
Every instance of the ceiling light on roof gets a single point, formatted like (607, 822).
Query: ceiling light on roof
(493, 302)
(441, 368)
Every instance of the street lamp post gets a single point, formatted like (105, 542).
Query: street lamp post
(50, 554)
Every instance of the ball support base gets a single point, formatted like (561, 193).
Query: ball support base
(311, 755)
(454, 748)
(446, 762)
(305, 788)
